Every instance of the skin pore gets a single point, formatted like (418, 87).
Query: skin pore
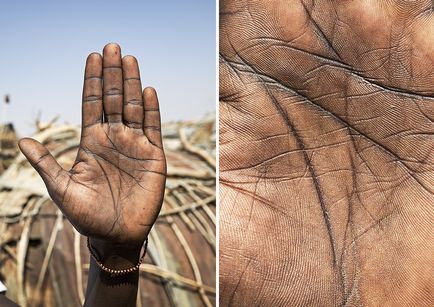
(114, 191)
(330, 200)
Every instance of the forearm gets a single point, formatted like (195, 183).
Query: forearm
(104, 289)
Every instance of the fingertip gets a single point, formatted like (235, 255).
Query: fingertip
(94, 56)
(93, 66)
(112, 48)
(24, 143)
(32, 149)
(149, 92)
(129, 59)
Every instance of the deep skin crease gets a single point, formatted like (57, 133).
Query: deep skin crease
(114, 191)
(326, 153)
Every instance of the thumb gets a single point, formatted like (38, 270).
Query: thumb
(54, 176)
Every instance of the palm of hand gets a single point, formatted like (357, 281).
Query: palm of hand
(115, 188)
(335, 120)
(121, 169)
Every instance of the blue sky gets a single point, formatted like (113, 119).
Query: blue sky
(44, 45)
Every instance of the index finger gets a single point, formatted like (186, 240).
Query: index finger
(92, 91)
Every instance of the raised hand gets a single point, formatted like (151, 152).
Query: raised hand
(114, 191)
(326, 153)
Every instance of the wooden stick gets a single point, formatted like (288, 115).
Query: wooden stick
(78, 270)
(201, 153)
(21, 257)
(190, 207)
(192, 260)
(176, 278)
(56, 228)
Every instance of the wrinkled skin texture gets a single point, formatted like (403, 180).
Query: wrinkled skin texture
(326, 153)
(114, 191)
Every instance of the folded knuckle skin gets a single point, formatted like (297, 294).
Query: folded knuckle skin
(326, 160)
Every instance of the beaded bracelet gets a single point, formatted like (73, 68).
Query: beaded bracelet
(113, 272)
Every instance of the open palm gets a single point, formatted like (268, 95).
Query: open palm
(332, 103)
(115, 188)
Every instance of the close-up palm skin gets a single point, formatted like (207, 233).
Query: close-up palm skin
(114, 191)
(326, 153)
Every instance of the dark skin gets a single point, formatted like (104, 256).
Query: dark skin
(114, 191)
(4, 302)
(330, 200)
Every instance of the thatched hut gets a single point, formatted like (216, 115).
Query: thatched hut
(44, 261)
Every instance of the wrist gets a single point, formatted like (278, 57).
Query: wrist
(117, 256)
